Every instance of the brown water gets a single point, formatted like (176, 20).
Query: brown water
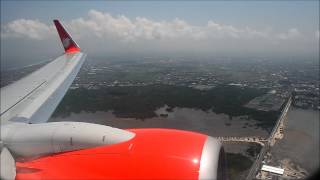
(301, 139)
(180, 118)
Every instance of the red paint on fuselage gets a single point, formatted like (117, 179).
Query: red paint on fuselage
(151, 154)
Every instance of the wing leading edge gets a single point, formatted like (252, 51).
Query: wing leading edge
(34, 98)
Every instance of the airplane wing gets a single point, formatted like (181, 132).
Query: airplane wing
(53, 149)
(34, 98)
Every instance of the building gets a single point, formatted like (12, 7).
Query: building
(275, 170)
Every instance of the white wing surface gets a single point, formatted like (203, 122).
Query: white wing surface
(34, 98)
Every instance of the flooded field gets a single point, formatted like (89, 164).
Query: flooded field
(300, 144)
(178, 118)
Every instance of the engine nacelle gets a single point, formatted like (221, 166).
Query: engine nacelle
(29, 140)
(150, 154)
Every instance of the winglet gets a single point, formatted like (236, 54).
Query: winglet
(70, 46)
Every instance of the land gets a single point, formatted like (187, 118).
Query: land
(297, 151)
(219, 96)
(237, 164)
(142, 102)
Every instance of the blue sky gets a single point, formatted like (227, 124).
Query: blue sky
(216, 27)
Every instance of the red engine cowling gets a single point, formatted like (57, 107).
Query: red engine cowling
(151, 154)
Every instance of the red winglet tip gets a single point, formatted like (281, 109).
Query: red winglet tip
(70, 46)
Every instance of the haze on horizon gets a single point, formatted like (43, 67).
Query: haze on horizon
(245, 28)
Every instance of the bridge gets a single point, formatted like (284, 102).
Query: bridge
(253, 139)
(276, 133)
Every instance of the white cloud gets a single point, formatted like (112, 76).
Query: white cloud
(227, 31)
(104, 25)
(99, 32)
(292, 33)
(32, 29)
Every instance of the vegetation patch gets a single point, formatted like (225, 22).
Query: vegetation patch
(237, 165)
(141, 102)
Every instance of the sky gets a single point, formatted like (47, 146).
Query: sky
(104, 28)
